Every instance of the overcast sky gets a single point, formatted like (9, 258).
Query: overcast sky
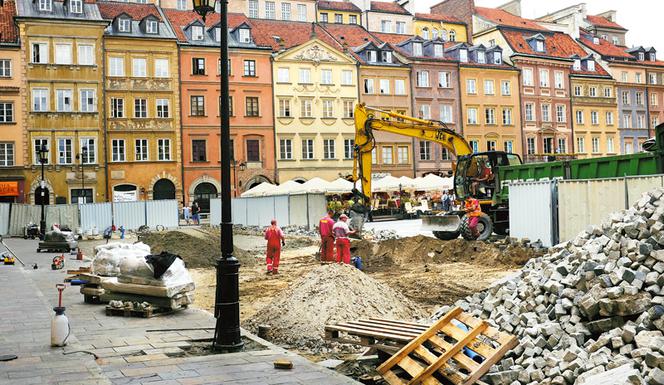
(643, 18)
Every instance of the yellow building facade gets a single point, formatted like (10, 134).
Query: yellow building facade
(142, 104)
(61, 68)
(430, 26)
(315, 91)
(338, 17)
(595, 116)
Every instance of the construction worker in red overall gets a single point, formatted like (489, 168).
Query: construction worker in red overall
(325, 228)
(275, 239)
(474, 212)
(341, 233)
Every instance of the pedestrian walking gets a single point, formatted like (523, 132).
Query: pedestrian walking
(341, 233)
(474, 212)
(446, 201)
(326, 231)
(195, 213)
(186, 214)
(275, 240)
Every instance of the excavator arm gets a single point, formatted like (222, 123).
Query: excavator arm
(368, 120)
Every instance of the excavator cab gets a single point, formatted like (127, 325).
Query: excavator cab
(476, 174)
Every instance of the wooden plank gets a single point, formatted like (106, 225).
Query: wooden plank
(491, 332)
(476, 345)
(461, 343)
(426, 326)
(413, 367)
(463, 360)
(433, 330)
(393, 379)
(489, 361)
(363, 333)
(381, 328)
(425, 355)
(415, 329)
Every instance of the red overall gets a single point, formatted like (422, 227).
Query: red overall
(274, 235)
(341, 232)
(326, 239)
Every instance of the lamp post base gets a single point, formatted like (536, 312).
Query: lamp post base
(42, 229)
(227, 309)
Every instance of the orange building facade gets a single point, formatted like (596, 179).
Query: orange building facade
(252, 122)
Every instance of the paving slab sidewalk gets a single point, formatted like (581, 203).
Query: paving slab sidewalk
(118, 350)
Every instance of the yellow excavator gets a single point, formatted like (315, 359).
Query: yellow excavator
(475, 174)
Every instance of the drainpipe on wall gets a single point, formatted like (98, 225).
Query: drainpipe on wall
(522, 111)
(274, 120)
(646, 100)
(184, 202)
(570, 115)
(412, 113)
(109, 192)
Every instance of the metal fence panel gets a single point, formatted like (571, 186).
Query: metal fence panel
(163, 212)
(316, 210)
(281, 209)
(21, 215)
(531, 211)
(131, 215)
(298, 213)
(636, 186)
(4, 218)
(64, 215)
(239, 207)
(215, 211)
(96, 215)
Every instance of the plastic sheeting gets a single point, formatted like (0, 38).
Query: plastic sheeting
(533, 211)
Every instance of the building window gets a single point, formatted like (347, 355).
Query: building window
(425, 150)
(579, 117)
(481, 57)
(560, 114)
(6, 112)
(592, 91)
(45, 5)
(655, 121)
(284, 108)
(6, 154)
(181, 5)
(471, 87)
(475, 146)
(548, 145)
(640, 121)
(438, 50)
(595, 145)
(546, 112)
(558, 79)
(117, 108)
(88, 100)
(639, 98)
(118, 153)
(152, 27)
(544, 78)
(163, 149)
(270, 12)
(90, 156)
(386, 56)
(463, 56)
(653, 99)
(472, 116)
(506, 88)
(139, 67)
(38, 143)
(625, 98)
(338, 18)
(491, 145)
(609, 145)
(63, 54)
(425, 111)
(507, 116)
(39, 53)
(5, 68)
(326, 77)
(86, 54)
(198, 66)
(306, 108)
(253, 150)
(140, 108)
(580, 144)
(197, 105)
(638, 77)
(527, 77)
(250, 68)
(198, 150)
(423, 78)
(328, 108)
(301, 12)
(402, 155)
(372, 56)
(609, 118)
(324, 17)
(161, 68)
(352, 19)
(163, 108)
(369, 86)
(489, 87)
(349, 148)
(627, 121)
(401, 27)
(65, 151)
(328, 149)
(497, 59)
(490, 115)
(253, 9)
(446, 115)
(63, 101)
(116, 66)
(40, 99)
(594, 118)
(508, 145)
(652, 78)
(124, 25)
(387, 155)
(417, 49)
(615, 40)
(285, 149)
(577, 90)
(283, 75)
(384, 86)
(531, 148)
(307, 149)
(529, 112)
(577, 65)
(251, 103)
(346, 78)
(285, 11)
(386, 26)
(425, 33)
(349, 109)
(305, 76)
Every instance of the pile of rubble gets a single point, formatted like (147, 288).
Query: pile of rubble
(589, 310)
(379, 235)
(288, 230)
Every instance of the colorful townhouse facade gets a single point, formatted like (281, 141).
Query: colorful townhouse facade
(13, 146)
(384, 83)
(387, 17)
(62, 71)
(250, 87)
(490, 112)
(434, 26)
(338, 12)
(285, 10)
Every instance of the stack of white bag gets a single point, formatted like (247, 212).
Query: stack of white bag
(129, 273)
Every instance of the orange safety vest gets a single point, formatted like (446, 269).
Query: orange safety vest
(473, 207)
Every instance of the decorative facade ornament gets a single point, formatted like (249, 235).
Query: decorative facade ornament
(315, 54)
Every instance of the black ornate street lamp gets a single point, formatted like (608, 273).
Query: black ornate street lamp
(42, 153)
(227, 298)
(82, 157)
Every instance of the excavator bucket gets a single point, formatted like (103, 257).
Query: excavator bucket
(447, 222)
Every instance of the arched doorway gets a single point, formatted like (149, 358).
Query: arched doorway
(202, 195)
(125, 193)
(163, 189)
(42, 196)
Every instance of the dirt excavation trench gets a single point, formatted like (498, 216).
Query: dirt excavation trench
(403, 278)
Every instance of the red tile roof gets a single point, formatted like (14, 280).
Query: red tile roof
(437, 17)
(603, 22)
(353, 35)
(392, 38)
(346, 6)
(558, 44)
(110, 10)
(8, 31)
(506, 19)
(291, 33)
(181, 19)
(605, 48)
(388, 7)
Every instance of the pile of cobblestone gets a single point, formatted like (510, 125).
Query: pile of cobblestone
(589, 311)
(288, 230)
(379, 235)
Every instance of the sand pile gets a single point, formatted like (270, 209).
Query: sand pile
(377, 256)
(328, 294)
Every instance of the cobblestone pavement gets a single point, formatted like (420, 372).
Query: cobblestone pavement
(118, 350)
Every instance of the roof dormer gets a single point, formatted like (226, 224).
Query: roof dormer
(651, 53)
(459, 52)
(577, 62)
(536, 42)
(638, 52)
(44, 5)
(74, 6)
(495, 55)
(122, 23)
(150, 25)
(195, 30)
(478, 54)
(243, 33)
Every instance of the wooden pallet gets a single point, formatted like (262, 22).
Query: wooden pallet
(442, 352)
(376, 333)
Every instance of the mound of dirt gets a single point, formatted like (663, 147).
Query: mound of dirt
(328, 294)
(197, 247)
(422, 249)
